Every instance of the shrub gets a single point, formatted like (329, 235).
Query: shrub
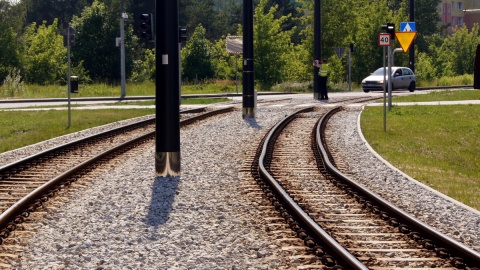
(13, 84)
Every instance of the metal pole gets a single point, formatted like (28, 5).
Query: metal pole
(317, 43)
(384, 95)
(412, 47)
(122, 50)
(248, 81)
(167, 148)
(69, 81)
(350, 70)
(389, 77)
(236, 72)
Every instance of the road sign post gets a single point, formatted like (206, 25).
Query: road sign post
(69, 41)
(385, 41)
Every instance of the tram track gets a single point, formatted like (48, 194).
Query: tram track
(331, 216)
(27, 184)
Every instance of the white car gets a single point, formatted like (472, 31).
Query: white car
(402, 78)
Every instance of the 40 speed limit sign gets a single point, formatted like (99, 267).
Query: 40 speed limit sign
(384, 39)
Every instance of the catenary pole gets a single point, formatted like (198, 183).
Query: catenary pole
(167, 85)
(317, 43)
(122, 49)
(412, 47)
(248, 84)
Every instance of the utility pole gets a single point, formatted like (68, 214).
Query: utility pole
(248, 110)
(123, 16)
(317, 43)
(167, 89)
(412, 47)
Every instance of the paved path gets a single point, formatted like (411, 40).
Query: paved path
(96, 104)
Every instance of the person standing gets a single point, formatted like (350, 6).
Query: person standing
(323, 73)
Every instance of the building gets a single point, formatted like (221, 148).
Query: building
(458, 13)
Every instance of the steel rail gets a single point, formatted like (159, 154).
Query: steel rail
(4, 169)
(455, 248)
(315, 231)
(19, 210)
(19, 207)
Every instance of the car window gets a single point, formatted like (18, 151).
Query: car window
(398, 72)
(378, 72)
(407, 72)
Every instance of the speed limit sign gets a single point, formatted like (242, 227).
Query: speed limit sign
(384, 39)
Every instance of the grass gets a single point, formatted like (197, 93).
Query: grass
(104, 90)
(437, 145)
(24, 128)
(446, 95)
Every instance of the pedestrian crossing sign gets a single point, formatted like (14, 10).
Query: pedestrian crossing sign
(408, 27)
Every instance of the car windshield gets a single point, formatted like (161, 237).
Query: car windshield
(380, 71)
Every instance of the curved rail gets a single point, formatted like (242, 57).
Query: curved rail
(314, 230)
(455, 248)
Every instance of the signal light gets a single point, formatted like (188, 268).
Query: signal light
(182, 34)
(390, 29)
(147, 26)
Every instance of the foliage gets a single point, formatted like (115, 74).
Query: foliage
(219, 18)
(424, 68)
(272, 46)
(13, 85)
(9, 54)
(44, 55)
(49, 10)
(226, 66)
(144, 67)
(283, 39)
(96, 30)
(455, 56)
(197, 57)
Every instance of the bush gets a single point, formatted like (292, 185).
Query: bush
(13, 85)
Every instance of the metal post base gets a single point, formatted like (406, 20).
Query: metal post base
(248, 113)
(167, 164)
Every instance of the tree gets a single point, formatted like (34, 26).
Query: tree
(49, 10)
(224, 64)
(271, 46)
(196, 57)
(455, 56)
(44, 55)
(11, 21)
(96, 30)
(9, 55)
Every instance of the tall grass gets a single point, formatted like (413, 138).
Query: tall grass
(466, 79)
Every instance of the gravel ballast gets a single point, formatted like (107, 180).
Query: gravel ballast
(127, 218)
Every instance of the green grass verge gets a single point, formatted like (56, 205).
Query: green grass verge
(437, 145)
(24, 128)
(21, 128)
(104, 90)
(446, 95)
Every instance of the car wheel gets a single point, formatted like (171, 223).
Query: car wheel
(366, 90)
(411, 88)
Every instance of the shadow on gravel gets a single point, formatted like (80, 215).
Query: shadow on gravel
(252, 122)
(163, 196)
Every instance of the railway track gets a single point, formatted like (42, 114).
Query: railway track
(27, 184)
(343, 225)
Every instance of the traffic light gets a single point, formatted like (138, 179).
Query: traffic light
(147, 26)
(182, 34)
(390, 29)
(69, 37)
